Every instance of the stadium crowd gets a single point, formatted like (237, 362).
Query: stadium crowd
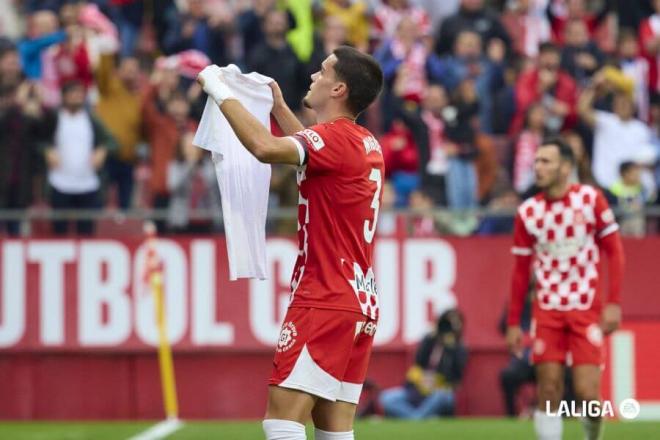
(98, 103)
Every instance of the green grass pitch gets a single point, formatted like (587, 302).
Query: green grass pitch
(468, 429)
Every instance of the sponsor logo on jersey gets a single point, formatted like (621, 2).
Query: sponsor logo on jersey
(371, 144)
(288, 337)
(313, 138)
(365, 283)
(364, 286)
(368, 328)
(563, 249)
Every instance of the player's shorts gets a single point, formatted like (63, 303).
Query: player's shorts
(324, 353)
(573, 337)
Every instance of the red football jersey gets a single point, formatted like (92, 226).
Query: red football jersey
(564, 235)
(340, 194)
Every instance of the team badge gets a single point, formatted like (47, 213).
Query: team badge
(288, 337)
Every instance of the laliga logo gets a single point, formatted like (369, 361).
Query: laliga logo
(628, 409)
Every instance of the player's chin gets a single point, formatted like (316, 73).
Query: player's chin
(306, 102)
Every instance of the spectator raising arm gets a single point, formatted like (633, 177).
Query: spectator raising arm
(104, 74)
(585, 106)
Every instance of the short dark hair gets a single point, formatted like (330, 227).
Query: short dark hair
(548, 47)
(626, 34)
(7, 91)
(362, 75)
(72, 84)
(451, 321)
(655, 98)
(177, 95)
(626, 166)
(6, 46)
(565, 150)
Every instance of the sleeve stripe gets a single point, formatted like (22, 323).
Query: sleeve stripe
(301, 149)
(608, 230)
(521, 251)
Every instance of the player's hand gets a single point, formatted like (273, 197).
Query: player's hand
(211, 81)
(514, 339)
(278, 97)
(194, 91)
(611, 318)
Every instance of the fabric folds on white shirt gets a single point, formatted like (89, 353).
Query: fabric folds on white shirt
(244, 181)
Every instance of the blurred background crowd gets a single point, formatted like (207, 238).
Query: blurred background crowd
(98, 103)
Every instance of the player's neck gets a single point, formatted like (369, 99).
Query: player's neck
(333, 115)
(557, 191)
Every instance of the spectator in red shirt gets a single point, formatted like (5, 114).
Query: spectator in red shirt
(399, 149)
(72, 59)
(401, 160)
(548, 84)
(580, 56)
(561, 12)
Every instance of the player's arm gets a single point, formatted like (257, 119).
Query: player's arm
(258, 140)
(252, 134)
(609, 241)
(285, 118)
(612, 246)
(522, 251)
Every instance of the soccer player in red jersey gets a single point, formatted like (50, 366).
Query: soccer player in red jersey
(326, 338)
(560, 234)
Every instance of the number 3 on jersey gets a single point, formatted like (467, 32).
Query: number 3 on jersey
(370, 230)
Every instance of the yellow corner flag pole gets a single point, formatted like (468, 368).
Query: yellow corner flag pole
(154, 276)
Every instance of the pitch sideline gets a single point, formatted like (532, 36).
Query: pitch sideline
(160, 430)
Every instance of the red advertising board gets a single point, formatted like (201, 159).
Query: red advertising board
(66, 301)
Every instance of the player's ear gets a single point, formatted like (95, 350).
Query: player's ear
(340, 89)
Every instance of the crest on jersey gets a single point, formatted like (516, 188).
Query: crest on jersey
(288, 337)
(313, 138)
